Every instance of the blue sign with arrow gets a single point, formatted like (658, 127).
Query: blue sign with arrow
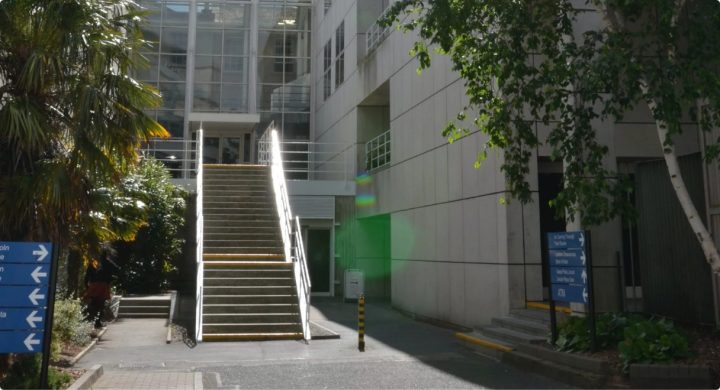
(24, 274)
(25, 252)
(21, 319)
(23, 296)
(27, 341)
(567, 258)
(570, 293)
(566, 240)
(569, 275)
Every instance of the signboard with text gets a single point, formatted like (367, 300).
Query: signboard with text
(568, 271)
(25, 269)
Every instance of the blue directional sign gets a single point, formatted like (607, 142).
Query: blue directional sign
(23, 296)
(21, 319)
(567, 258)
(21, 342)
(566, 240)
(569, 293)
(25, 252)
(23, 274)
(568, 275)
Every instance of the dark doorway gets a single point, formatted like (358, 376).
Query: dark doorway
(550, 185)
(318, 248)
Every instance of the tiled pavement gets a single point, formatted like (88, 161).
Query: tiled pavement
(149, 380)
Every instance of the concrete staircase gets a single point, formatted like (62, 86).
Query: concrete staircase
(144, 306)
(249, 289)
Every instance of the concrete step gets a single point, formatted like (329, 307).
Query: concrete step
(243, 230)
(242, 250)
(252, 261)
(221, 236)
(511, 336)
(215, 281)
(149, 300)
(250, 308)
(142, 315)
(251, 318)
(123, 308)
(532, 327)
(248, 273)
(220, 193)
(218, 223)
(282, 327)
(211, 188)
(248, 290)
(227, 179)
(266, 211)
(252, 336)
(249, 299)
(233, 202)
(260, 218)
(535, 315)
(251, 243)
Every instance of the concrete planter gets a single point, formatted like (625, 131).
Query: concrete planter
(670, 376)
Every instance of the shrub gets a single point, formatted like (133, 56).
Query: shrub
(147, 263)
(574, 332)
(24, 374)
(69, 326)
(652, 341)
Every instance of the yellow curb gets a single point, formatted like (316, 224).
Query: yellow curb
(246, 264)
(233, 166)
(482, 343)
(252, 336)
(545, 306)
(242, 256)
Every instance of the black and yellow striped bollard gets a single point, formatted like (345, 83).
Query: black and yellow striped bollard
(361, 323)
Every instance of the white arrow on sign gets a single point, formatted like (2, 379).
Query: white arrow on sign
(42, 252)
(37, 274)
(34, 296)
(584, 276)
(33, 318)
(30, 341)
(581, 238)
(582, 257)
(585, 295)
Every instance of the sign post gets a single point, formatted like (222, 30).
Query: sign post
(571, 279)
(28, 272)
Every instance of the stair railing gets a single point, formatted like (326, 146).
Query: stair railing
(199, 229)
(294, 251)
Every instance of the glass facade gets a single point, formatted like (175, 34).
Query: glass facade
(223, 63)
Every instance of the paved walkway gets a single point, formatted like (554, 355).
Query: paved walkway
(399, 353)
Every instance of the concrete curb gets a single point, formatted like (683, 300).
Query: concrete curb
(575, 361)
(198, 382)
(88, 348)
(88, 379)
(483, 343)
(557, 371)
(670, 376)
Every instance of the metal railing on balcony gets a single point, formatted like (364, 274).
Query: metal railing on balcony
(377, 151)
(305, 160)
(376, 33)
(179, 156)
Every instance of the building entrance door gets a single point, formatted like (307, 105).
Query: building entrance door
(318, 258)
(231, 149)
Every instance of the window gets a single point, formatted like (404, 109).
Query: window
(340, 54)
(327, 62)
(328, 4)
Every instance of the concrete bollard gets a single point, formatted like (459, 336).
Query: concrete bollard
(361, 323)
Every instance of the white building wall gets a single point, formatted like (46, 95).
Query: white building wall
(458, 253)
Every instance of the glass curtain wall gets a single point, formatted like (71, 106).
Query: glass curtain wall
(166, 31)
(283, 79)
(222, 51)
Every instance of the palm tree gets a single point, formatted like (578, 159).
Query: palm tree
(71, 115)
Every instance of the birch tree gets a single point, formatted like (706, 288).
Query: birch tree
(525, 62)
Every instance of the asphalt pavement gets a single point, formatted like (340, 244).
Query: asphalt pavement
(400, 353)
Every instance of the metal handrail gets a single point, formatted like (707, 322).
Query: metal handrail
(294, 251)
(378, 151)
(307, 160)
(199, 231)
(376, 33)
(175, 153)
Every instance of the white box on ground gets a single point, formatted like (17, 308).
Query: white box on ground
(354, 283)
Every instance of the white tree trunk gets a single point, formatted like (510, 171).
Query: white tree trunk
(698, 227)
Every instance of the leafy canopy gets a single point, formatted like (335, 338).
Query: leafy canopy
(567, 65)
(71, 116)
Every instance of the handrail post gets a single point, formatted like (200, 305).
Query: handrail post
(199, 232)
